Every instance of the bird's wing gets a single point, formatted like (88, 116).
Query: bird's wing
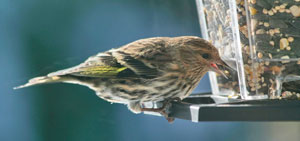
(146, 57)
(107, 65)
(143, 58)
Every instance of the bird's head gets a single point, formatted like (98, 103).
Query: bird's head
(199, 53)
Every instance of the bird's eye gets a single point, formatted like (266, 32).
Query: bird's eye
(205, 56)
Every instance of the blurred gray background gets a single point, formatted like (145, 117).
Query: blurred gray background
(41, 36)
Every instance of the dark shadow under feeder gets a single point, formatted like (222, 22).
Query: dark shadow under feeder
(206, 107)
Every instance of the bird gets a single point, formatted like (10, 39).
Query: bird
(147, 70)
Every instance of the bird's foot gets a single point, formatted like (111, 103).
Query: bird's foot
(164, 109)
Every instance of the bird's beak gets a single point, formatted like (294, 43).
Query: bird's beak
(216, 69)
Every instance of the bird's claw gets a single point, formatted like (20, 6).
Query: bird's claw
(164, 110)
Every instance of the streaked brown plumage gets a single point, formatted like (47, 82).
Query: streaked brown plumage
(152, 69)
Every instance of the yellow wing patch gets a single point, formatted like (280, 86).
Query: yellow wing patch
(100, 71)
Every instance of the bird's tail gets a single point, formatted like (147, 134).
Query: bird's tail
(42, 80)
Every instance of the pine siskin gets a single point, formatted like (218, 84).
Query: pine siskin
(152, 69)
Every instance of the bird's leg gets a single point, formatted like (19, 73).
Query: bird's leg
(163, 110)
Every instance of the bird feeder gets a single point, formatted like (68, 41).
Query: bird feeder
(260, 39)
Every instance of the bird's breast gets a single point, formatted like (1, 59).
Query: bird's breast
(169, 85)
